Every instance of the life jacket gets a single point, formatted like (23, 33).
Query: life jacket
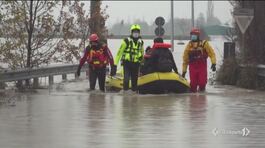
(133, 51)
(198, 53)
(156, 46)
(97, 58)
(161, 45)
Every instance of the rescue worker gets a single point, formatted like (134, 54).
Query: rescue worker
(98, 56)
(195, 55)
(159, 58)
(131, 55)
(144, 69)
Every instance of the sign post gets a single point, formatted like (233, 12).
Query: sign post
(159, 31)
(243, 19)
(172, 25)
(192, 14)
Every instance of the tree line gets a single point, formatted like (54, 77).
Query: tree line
(181, 26)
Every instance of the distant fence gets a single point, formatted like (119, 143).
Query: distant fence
(35, 73)
(261, 70)
(167, 37)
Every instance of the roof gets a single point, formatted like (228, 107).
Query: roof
(216, 30)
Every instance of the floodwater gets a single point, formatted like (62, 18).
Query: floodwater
(68, 116)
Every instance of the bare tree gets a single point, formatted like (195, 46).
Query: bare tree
(200, 21)
(231, 35)
(34, 35)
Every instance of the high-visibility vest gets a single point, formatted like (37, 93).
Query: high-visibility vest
(133, 51)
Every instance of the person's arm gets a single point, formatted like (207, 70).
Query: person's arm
(173, 61)
(120, 52)
(142, 53)
(109, 55)
(84, 57)
(110, 58)
(185, 59)
(82, 61)
(153, 59)
(210, 52)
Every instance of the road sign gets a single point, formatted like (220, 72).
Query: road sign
(243, 18)
(160, 21)
(159, 31)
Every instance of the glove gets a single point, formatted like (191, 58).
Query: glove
(78, 71)
(183, 74)
(113, 70)
(213, 67)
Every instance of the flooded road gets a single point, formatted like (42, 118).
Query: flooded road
(68, 116)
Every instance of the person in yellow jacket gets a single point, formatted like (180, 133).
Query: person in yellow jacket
(195, 56)
(131, 55)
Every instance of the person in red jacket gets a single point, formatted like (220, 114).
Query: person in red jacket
(98, 56)
(159, 58)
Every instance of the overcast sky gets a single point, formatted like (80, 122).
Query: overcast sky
(149, 10)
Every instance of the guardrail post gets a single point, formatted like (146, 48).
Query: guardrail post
(51, 80)
(19, 84)
(64, 76)
(2, 85)
(35, 82)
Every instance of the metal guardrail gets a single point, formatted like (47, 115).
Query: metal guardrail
(261, 70)
(24, 74)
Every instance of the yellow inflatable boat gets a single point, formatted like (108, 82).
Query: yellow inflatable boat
(154, 83)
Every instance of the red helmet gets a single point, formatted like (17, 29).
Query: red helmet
(93, 38)
(195, 31)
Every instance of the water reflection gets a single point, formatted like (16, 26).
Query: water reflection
(198, 107)
(114, 120)
(198, 120)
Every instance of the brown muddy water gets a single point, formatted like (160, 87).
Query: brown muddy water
(68, 116)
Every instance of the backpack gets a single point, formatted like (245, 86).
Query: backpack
(164, 62)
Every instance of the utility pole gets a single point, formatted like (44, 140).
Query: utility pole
(172, 25)
(192, 13)
(210, 11)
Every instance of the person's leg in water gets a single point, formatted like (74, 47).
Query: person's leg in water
(202, 76)
(92, 78)
(127, 75)
(193, 77)
(134, 76)
(102, 78)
